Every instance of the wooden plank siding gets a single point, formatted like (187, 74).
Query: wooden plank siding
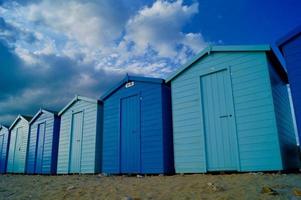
(4, 133)
(21, 161)
(155, 128)
(91, 145)
(49, 161)
(257, 131)
(284, 120)
(291, 51)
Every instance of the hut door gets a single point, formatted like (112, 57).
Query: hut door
(76, 142)
(40, 147)
(219, 122)
(130, 134)
(11, 152)
(19, 151)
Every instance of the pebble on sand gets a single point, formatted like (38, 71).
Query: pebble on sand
(297, 192)
(269, 191)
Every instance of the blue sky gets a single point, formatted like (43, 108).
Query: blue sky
(52, 50)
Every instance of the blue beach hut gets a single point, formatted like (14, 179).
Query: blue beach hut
(80, 140)
(4, 141)
(290, 47)
(137, 136)
(43, 143)
(17, 152)
(231, 112)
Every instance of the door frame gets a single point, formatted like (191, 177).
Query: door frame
(138, 94)
(81, 143)
(206, 72)
(16, 139)
(37, 143)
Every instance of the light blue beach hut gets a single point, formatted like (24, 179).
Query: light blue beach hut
(80, 140)
(231, 112)
(17, 152)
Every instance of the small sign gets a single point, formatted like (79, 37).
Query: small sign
(129, 84)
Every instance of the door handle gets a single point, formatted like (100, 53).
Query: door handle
(78, 140)
(19, 148)
(224, 116)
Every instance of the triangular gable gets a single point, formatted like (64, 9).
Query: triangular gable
(246, 48)
(75, 99)
(3, 127)
(26, 118)
(128, 79)
(41, 111)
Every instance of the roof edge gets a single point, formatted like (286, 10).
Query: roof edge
(289, 36)
(39, 113)
(76, 98)
(218, 48)
(128, 78)
(17, 119)
(4, 126)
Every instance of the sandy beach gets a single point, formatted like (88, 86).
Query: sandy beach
(197, 186)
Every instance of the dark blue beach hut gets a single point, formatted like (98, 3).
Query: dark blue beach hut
(231, 112)
(4, 141)
(43, 143)
(290, 47)
(80, 140)
(137, 136)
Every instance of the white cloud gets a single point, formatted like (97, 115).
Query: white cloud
(102, 34)
(26, 56)
(88, 23)
(160, 27)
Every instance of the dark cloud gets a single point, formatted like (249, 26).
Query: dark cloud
(25, 89)
(13, 77)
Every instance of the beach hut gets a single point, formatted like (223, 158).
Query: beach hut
(80, 137)
(43, 143)
(231, 112)
(4, 141)
(290, 47)
(17, 152)
(137, 135)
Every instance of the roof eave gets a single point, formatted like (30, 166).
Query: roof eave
(39, 113)
(128, 78)
(16, 121)
(76, 98)
(3, 126)
(209, 49)
(289, 36)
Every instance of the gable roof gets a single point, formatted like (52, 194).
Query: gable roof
(128, 78)
(288, 37)
(230, 48)
(3, 126)
(75, 99)
(19, 117)
(40, 112)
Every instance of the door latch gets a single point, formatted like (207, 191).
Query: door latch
(224, 116)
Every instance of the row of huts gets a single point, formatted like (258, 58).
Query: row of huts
(226, 110)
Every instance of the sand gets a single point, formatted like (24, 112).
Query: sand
(197, 186)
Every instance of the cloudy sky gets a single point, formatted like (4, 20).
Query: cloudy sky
(51, 50)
